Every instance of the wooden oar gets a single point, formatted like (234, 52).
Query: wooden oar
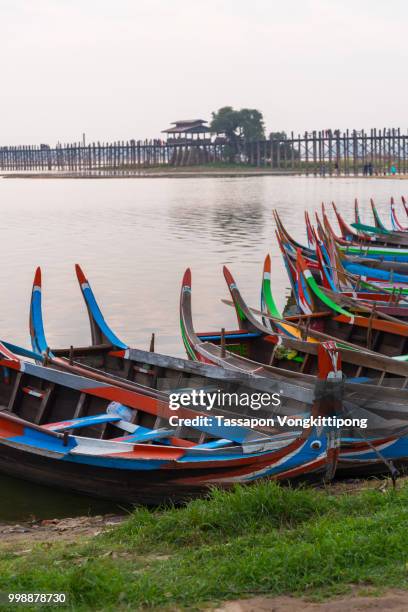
(313, 315)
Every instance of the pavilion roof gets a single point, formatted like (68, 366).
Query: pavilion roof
(187, 126)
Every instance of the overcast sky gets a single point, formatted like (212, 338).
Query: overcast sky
(121, 69)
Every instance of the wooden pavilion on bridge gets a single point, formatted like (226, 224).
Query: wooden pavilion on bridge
(189, 140)
(188, 131)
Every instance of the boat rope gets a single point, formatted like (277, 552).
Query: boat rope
(394, 472)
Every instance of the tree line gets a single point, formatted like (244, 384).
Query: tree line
(243, 126)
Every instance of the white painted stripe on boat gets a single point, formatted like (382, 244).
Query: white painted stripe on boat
(90, 446)
(364, 451)
(275, 465)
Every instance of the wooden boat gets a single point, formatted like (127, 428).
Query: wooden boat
(252, 345)
(110, 359)
(395, 222)
(353, 242)
(380, 276)
(393, 270)
(362, 249)
(335, 279)
(397, 228)
(364, 326)
(254, 342)
(390, 275)
(330, 276)
(379, 227)
(95, 438)
(297, 387)
(358, 232)
(150, 371)
(329, 289)
(385, 445)
(359, 454)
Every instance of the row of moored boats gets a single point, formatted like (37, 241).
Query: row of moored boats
(99, 420)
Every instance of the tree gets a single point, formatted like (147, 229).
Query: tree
(225, 121)
(252, 124)
(245, 125)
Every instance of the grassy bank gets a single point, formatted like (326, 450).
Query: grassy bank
(262, 539)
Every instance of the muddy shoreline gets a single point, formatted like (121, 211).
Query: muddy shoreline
(358, 601)
(51, 530)
(143, 174)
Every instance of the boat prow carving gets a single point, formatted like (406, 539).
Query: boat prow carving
(38, 340)
(101, 333)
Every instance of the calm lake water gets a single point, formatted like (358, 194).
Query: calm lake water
(134, 238)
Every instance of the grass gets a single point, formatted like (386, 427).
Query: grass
(262, 539)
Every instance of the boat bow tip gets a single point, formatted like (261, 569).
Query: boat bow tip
(267, 264)
(228, 276)
(187, 278)
(80, 275)
(37, 277)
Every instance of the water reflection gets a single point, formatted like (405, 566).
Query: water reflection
(219, 209)
(25, 501)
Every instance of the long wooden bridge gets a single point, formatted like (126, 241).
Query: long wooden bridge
(328, 152)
